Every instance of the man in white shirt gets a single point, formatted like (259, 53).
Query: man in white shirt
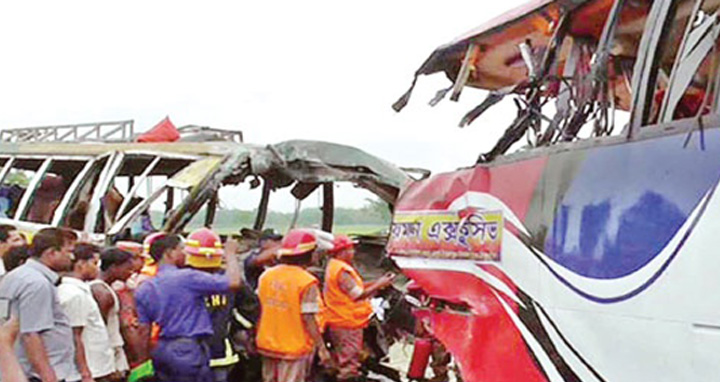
(94, 357)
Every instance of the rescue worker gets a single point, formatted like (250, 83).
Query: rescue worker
(204, 249)
(347, 307)
(175, 300)
(262, 257)
(150, 268)
(288, 335)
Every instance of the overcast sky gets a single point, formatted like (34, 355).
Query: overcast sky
(276, 70)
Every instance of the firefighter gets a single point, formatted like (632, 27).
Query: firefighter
(204, 249)
(150, 268)
(175, 300)
(288, 334)
(348, 308)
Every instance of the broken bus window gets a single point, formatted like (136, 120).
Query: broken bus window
(575, 69)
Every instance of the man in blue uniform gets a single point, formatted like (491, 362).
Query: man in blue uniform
(175, 300)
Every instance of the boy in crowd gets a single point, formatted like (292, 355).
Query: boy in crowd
(94, 358)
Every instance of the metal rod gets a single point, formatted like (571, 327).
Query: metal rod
(328, 207)
(263, 207)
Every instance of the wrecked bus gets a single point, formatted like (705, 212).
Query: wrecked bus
(94, 178)
(583, 245)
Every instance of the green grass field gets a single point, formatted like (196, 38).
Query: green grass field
(358, 229)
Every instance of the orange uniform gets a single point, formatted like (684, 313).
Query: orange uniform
(281, 332)
(341, 310)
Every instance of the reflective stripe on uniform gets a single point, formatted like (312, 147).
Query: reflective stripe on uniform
(230, 358)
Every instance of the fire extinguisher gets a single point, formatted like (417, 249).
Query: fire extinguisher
(420, 359)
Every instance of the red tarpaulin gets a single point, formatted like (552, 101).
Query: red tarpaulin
(164, 131)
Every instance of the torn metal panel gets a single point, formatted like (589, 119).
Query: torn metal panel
(497, 40)
(194, 173)
(490, 39)
(322, 162)
(303, 190)
(533, 98)
(493, 98)
(301, 163)
(236, 163)
(531, 49)
(465, 70)
(527, 56)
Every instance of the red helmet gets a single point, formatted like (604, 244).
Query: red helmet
(297, 242)
(204, 248)
(147, 243)
(341, 242)
(130, 246)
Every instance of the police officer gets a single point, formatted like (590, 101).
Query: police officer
(175, 300)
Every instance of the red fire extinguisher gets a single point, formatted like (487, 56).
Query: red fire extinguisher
(420, 359)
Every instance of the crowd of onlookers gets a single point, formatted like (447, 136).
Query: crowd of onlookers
(180, 309)
(58, 296)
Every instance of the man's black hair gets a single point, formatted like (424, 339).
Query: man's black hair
(48, 238)
(162, 245)
(16, 257)
(113, 257)
(269, 234)
(5, 230)
(85, 251)
(303, 259)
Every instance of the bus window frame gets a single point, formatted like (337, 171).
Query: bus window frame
(31, 195)
(111, 172)
(31, 189)
(62, 209)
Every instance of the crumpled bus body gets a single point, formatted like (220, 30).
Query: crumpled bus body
(102, 189)
(590, 253)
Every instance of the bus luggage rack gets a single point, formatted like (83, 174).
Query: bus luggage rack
(120, 131)
(195, 133)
